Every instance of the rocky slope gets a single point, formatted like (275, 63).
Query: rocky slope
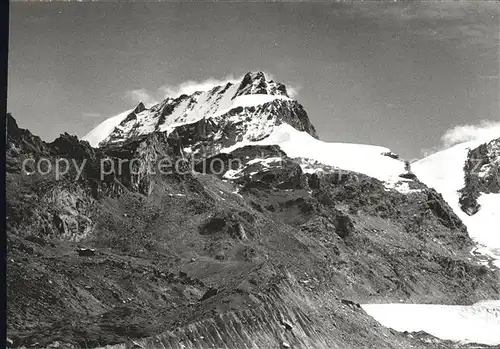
(234, 244)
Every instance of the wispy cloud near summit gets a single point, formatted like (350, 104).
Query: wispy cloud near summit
(463, 133)
(187, 87)
(141, 95)
(190, 86)
(483, 131)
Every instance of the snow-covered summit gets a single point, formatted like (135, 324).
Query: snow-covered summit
(256, 83)
(254, 91)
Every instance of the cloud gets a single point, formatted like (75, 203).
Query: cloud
(293, 90)
(141, 95)
(189, 87)
(468, 23)
(485, 130)
(92, 115)
(463, 133)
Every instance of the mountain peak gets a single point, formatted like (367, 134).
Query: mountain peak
(257, 75)
(257, 83)
(256, 104)
(140, 108)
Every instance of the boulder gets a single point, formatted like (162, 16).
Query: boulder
(343, 225)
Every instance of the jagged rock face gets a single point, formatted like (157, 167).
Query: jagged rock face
(256, 83)
(41, 205)
(71, 147)
(482, 175)
(20, 144)
(229, 113)
(50, 209)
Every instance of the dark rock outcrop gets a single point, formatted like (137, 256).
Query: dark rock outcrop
(482, 175)
(441, 209)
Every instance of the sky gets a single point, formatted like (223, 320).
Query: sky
(408, 76)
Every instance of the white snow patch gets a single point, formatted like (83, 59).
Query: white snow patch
(479, 323)
(103, 130)
(494, 303)
(265, 161)
(237, 193)
(402, 186)
(231, 174)
(310, 170)
(253, 100)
